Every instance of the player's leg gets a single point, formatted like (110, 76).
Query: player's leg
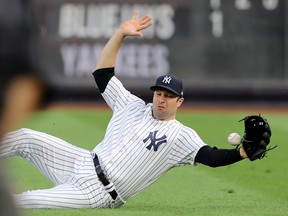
(63, 196)
(54, 157)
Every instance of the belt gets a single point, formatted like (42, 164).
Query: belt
(109, 187)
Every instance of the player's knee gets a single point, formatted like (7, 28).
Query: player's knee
(12, 135)
(20, 136)
(24, 132)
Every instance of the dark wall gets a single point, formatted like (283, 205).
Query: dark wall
(221, 49)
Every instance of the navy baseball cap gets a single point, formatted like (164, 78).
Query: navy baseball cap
(171, 83)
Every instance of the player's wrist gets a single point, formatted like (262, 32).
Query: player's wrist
(242, 152)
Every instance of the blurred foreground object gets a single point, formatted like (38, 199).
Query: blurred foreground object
(21, 80)
(22, 96)
(21, 85)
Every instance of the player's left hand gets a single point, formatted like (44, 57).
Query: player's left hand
(256, 138)
(133, 26)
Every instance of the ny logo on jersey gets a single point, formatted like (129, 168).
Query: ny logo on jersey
(167, 79)
(155, 142)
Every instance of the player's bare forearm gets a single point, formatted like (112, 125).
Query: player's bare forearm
(109, 54)
(131, 27)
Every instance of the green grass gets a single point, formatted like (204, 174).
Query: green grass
(245, 188)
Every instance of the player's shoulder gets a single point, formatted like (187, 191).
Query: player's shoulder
(188, 130)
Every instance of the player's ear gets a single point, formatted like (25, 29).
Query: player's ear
(179, 101)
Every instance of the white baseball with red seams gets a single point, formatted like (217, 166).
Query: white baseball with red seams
(234, 139)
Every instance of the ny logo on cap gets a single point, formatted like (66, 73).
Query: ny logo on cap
(167, 79)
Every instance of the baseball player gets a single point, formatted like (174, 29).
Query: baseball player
(142, 142)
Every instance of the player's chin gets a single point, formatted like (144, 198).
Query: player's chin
(161, 115)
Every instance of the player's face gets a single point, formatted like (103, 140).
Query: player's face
(165, 105)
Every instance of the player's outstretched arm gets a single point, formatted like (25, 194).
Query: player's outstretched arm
(131, 27)
(214, 157)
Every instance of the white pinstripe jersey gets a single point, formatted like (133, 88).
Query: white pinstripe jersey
(137, 149)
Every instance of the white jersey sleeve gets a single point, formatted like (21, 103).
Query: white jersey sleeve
(116, 95)
(186, 147)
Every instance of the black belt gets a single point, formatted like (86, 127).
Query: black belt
(108, 186)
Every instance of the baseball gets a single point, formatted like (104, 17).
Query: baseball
(234, 139)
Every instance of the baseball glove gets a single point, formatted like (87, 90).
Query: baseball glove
(256, 136)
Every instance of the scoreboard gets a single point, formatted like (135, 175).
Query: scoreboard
(209, 43)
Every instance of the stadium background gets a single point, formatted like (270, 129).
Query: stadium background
(226, 51)
(229, 51)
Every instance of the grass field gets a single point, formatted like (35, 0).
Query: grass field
(245, 188)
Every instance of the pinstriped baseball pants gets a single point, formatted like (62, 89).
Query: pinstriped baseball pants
(70, 168)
